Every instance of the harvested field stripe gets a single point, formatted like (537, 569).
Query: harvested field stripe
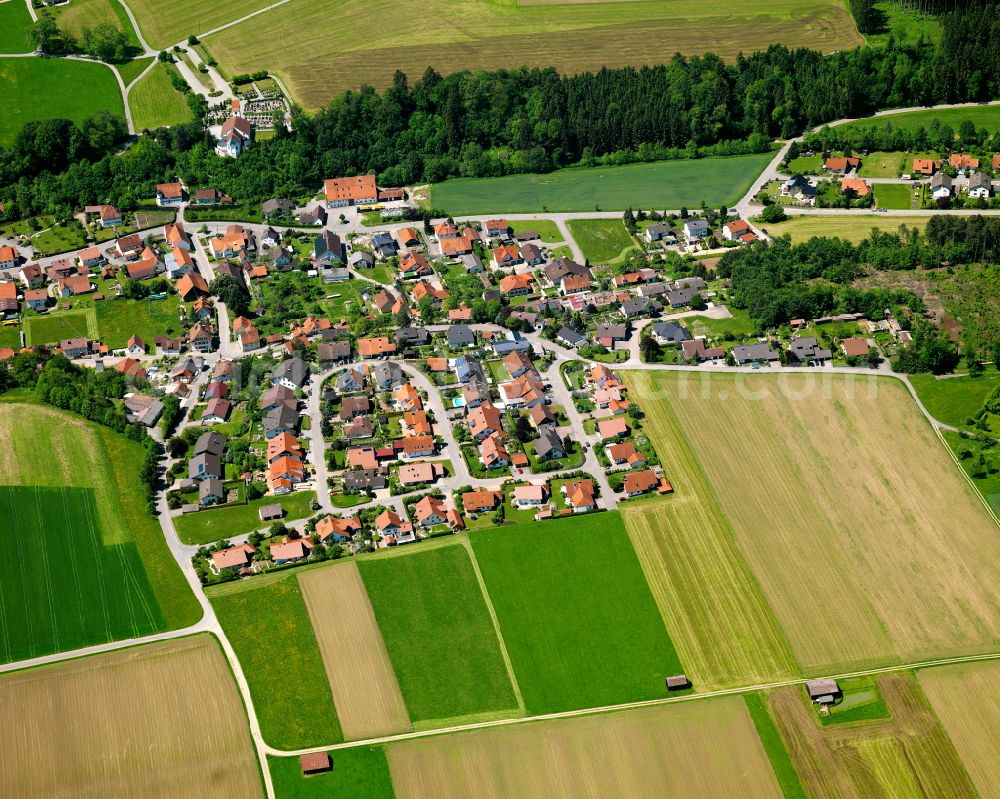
(496, 624)
(365, 691)
(770, 738)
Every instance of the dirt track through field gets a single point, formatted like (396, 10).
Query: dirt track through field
(866, 541)
(365, 691)
(909, 755)
(162, 720)
(707, 749)
(967, 700)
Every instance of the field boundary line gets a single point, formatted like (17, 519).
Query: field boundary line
(606, 709)
(467, 544)
(965, 475)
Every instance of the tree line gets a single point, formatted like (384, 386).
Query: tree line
(481, 124)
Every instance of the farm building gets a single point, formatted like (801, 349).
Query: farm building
(823, 692)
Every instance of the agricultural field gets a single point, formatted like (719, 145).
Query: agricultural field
(155, 102)
(894, 196)
(164, 23)
(97, 568)
(602, 240)
(983, 116)
(121, 725)
(846, 594)
(15, 22)
(42, 88)
(215, 524)
(966, 700)
(444, 647)
(365, 691)
(853, 228)
(74, 17)
(358, 773)
(267, 623)
(560, 610)
(721, 624)
(952, 400)
(571, 36)
(909, 754)
(662, 184)
(701, 749)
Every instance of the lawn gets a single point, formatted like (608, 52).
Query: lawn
(133, 69)
(738, 326)
(266, 621)
(356, 43)
(10, 337)
(561, 593)
(601, 240)
(57, 325)
(145, 721)
(861, 700)
(85, 561)
(842, 590)
(852, 227)
(42, 88)
(440, 637)
(697, 750)
(359, 773)
(15, 22)
(119, 319)
(206, 526)
(545, 228)
(155, 103)
(662, 184)
(897, 196)
(952, 400)
(982, 116)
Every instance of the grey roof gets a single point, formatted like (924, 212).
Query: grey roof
(745, 353)
(387, 373)
(561, 267)
(278, 204)
(328, 245)
(639, 305)
(333, 350)
(293, 370)
(461, 336)
(697, 226)
(365, 479)
(212, 443)
(548, 442)
(806, 348)
(412, 335)
(683, 296)
(472, 262)
(671, 331)
(383, 239)
(469, 369)
(212, 487)
(616, 332)
(362, 257)
(570, 336)
(205, 464)
(980, 180)
(941, 179)
(281, 418)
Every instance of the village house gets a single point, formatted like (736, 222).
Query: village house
(376, 347)
(625, 454)
(799, 189)
(549, 445)
(169, 194)
(530, 495)
(328, 247)
(494, 453)
(238, 557)
(430, 511)
(334, 529)
(637, 483)
(941, 186)
(754, 353)
(358, 190)
(842, 165)
(476, 502)
(390, 525)
(581, 496)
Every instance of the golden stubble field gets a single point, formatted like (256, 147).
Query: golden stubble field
(365, 691)
(706, 749)
(908, 755)
(162, 720)
(480, 34)
(867, 542)
(966, 698)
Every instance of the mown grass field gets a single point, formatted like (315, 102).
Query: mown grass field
(164, 23)
(482, 34)
(907, 755)
(15, 22)
(561, 609)
(439, 635)
(215, 524)
(267, 623)
(853, 228)
(74, 17)
(601, 240)
(966, 700)
(952, 400)
(155, 102)
(42, 88)
(801, 467)
(983, 116)
(662, 184)
(150, 721)
(706, 750)
(365, 690)
(118, 320)
(61, 586)
(54, 327)
(359, 773)
(545, 228)
(90, 564)
(722, 626)
(894, 196)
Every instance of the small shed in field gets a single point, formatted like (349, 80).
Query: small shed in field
(315, 762)
(823, 692)
(678, 682)
(271, 513)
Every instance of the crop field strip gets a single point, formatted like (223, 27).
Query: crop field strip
(364, 687)
(722, 626)
(967, 701)
(573, 37)
(704, 749)
(440, 637)
(148, 721)
(907, 755)
(155, 102)
(561, 614)
(848, 593)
